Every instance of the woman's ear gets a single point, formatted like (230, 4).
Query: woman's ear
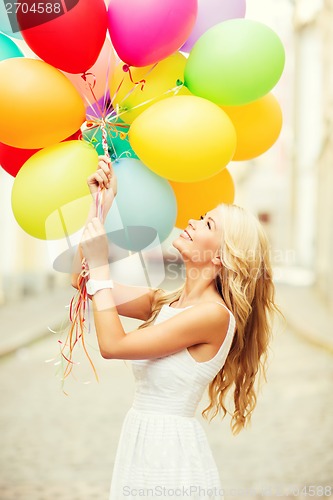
(216, 260)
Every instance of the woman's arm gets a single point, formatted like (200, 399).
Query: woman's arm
(205, 323)
(131, 301)
(105, 178)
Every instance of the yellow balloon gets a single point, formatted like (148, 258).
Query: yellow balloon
(184, 138)
(157, 80)
(197, 198)
(50, 196)
(258, 125)
(39, 106)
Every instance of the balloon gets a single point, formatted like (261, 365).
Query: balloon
(184, 138)
(50, 197)
(211, 12)
(258, 125)
(38, 105)
(144, 199)
(96, 77)
(235, 62)
(70, 41)
(197, 198)
(158, 80)
(118, 144)
(12, 159)
(143, 33)
(8, 48)
(5, 25)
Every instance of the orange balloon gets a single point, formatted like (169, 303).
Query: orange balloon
(39, 106)
(257, 125)
(196, 198)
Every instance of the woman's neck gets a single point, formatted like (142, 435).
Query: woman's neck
(199, 285)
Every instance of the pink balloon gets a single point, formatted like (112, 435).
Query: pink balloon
(211, 12)
(100, 72)
(144, 32)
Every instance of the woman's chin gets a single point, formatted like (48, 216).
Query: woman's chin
(176, 243)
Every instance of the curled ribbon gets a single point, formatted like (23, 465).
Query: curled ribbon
(127, 69)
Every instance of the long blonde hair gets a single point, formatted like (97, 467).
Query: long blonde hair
(246, 286)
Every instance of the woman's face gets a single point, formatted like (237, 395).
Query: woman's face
(201, 239)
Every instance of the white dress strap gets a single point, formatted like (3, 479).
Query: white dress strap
(226, 308)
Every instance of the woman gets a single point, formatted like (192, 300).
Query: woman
(214, 331)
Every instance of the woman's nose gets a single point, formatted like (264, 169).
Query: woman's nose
(192, 223)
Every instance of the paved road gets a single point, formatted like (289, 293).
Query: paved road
(57, 447)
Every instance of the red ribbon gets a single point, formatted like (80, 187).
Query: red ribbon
(127, 69)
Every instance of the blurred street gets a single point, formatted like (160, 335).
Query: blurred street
(58, 447)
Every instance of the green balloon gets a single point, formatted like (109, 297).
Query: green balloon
(118, 143)
(235, 62)
(8, 49)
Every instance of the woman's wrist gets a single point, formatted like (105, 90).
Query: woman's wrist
(105, 210)
(101, 272)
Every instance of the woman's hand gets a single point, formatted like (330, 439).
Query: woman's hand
(104, 177)
(94, 244)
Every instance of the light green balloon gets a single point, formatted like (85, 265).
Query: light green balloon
(8, 49)
(145, 209)
(235, 62)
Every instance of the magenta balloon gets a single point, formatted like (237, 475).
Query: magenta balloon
(145, 32)
(211, 12)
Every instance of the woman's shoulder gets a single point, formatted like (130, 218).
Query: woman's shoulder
(213, 299)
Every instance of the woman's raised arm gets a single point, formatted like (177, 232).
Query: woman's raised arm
(131, 301)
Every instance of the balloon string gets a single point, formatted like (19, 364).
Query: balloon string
(106, 107)
(117, 90)
(114, 114)
(91, 88)
(135, 83)
(127, 69)
(84, 76)
(104, 138)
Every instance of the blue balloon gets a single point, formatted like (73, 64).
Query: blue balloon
(145, 208)
(8, 49)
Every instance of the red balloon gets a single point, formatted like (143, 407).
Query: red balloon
(69, 35)
(12, 159)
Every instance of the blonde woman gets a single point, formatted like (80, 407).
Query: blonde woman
(214, 331)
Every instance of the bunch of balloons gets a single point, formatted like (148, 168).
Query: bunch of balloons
(180, 87)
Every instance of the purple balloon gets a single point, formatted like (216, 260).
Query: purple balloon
(211, 12)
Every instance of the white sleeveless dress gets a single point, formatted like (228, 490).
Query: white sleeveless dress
(163, 450)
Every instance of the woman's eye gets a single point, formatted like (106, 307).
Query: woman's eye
(208, 223)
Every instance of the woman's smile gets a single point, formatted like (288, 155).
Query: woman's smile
(186, 235)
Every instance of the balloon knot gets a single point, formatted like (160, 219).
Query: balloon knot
(179, 83)
(126, 68)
